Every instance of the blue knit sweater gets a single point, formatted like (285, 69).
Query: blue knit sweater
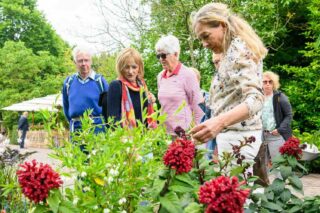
(82, 96)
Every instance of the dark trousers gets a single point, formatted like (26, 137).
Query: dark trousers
(22, 138)
(260, 166)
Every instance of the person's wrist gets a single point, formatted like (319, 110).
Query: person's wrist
(222, 123)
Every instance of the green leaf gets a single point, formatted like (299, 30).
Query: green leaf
(292, 161)
(67, 207)
(204, 164)
(181, 107)
(296, 201)
(181, 189)
(277, 186)
(259, 196)
(40, 209)
(144, 209)
(285, 171)
(184, 177)
(264, 211)
(163, 173)
(54, 200)
(252, 179)
(193, 208)
(236, 171)
(285, 195)
(271, 206)
(157, 187)
(302, 167)
(269, 195)
(89, 202)
(296, 183)
(295, 209)
(171, 203)
(278, 159)
(201, 155)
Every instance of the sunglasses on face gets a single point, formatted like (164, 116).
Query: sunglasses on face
(162, 55)
(267, 82)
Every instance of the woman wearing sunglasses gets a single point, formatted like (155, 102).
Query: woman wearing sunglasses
(236, 96)
(178, 90)
(124, 100)
(276, 114)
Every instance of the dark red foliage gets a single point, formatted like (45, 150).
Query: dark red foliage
(180, 132)
(37, 180)
(291, 147)
(179, 155)
(223, 195)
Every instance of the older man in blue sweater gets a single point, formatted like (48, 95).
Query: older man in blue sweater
(81, 92)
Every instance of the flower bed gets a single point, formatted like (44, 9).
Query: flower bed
(142, 170)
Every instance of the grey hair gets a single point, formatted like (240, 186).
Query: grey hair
(169, 44)
(78, 50)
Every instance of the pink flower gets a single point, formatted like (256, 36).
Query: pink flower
(291, 147)
(223, 195)
(37, 180)
(179, 155)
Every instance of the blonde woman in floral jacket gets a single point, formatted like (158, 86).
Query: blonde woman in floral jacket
(236, 89)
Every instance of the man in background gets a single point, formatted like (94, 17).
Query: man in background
(23, 127)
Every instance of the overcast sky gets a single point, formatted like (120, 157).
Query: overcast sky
(72, 20)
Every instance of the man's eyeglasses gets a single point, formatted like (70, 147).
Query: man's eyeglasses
(80, 61)
(162, 55)
(267, 82)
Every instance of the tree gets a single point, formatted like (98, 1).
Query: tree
(21, 21)
(303, 84)
(105, 64)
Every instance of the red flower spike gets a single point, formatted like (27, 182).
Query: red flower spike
(179, 155)
(291, 147)
(37, 180)
(223, 195)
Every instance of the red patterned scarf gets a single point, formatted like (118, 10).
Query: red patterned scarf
(127, 109)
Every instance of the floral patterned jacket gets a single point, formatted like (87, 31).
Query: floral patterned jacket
(238, 80)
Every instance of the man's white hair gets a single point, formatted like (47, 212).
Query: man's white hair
(168, 44)
(80, 49)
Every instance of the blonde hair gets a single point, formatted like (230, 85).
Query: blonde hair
(274, 77)
(124, 56)
(197, 72)
(214, 14)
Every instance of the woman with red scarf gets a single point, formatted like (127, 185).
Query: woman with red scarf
(125, 101)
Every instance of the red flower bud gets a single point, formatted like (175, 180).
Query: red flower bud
(223, 195)
(37, 180)
(291, 147)
(180, 155)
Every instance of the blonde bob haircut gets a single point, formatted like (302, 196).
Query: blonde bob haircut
(274, 77)
(214, 14)
(124, 58)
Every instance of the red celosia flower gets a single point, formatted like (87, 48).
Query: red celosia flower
(37, 180)
(179, 155)
(223, 195)
(291, 147)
